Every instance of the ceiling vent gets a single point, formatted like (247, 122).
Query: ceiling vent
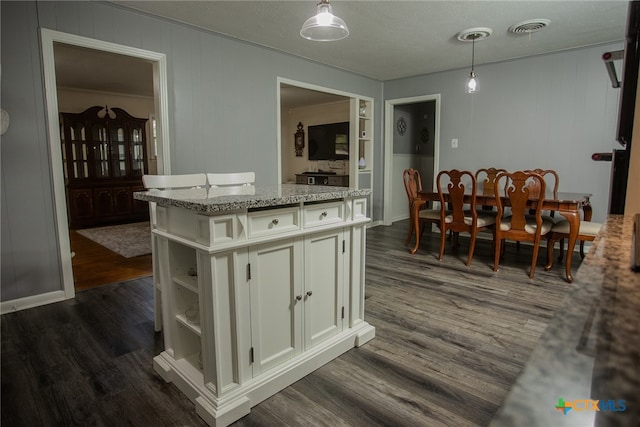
(529, 26)
(474, 34)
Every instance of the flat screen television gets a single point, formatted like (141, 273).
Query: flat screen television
(329, 141)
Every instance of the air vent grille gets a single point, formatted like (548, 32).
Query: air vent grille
(529, 26)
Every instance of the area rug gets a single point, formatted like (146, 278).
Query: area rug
(128, 240)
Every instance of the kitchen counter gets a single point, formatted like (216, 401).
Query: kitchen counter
(220, 199)
(590, 350)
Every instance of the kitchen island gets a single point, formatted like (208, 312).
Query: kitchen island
(585, 370)
(260, 286)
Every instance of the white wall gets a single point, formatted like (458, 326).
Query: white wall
(550, 111)
(222, 107)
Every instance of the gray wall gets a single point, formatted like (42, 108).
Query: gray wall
(550, 111)
(222, 100)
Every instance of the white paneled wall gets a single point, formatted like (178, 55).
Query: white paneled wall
(222, 116)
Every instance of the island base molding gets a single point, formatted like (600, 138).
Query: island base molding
(237, 403)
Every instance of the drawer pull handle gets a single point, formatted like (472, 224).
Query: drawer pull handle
(309, 293)
(275, 221)
(323, 214)
(299, 297)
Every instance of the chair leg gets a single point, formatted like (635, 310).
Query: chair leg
(504, 243)
(561, 250)
(443, 239)
(406, 242)
(496, 256)
(472, 245)
(423, 225)
(581, 249)
(534, 259)
(550, 244)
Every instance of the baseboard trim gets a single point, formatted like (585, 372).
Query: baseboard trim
(31, 301)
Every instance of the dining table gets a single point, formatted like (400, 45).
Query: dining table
(567, 204)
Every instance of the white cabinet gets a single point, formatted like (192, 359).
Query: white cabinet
(295, 306)
(324, 270)
(276, 304)
(255, 306)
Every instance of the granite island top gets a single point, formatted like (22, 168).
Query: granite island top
(590, 350)
(220, 199)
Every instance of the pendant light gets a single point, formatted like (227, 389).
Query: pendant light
(324, 26)
(473, 34)
(472, 82)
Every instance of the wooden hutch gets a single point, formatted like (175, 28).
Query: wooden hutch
(104, 156)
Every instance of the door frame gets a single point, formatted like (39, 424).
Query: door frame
(159, 61)
(389, 106)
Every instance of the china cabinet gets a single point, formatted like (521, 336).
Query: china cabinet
(104, 158)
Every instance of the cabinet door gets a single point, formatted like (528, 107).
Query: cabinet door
(276, 302)
(323, 282)
(80, 204)
(103, 202)
(122, 200)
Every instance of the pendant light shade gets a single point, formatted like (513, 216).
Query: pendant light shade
(324, 26)
(472, 82)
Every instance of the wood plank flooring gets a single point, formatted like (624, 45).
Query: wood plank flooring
(450, 341)
(94, 265)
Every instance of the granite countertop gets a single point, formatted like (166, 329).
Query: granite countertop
(590, 350)
(220, 199)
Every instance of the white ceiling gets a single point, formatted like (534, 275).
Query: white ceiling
(388, 40)
(395, 39)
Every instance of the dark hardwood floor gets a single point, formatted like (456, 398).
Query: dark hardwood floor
(450, 341)
(94, 265)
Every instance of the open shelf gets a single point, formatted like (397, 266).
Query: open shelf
(195, 328)
(188, 282)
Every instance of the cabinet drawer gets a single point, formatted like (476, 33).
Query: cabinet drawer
(273, 221)
(323, 213)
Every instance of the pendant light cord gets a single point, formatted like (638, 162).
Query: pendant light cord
(473, 51)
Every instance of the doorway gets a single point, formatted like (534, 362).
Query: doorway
(412, 136)
(51, 39)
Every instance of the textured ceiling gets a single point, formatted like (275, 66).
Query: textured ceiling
(395, 39)
(388, 40)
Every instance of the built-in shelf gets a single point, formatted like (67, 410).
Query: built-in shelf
(182, 318)
(365, 139)
(188, 282)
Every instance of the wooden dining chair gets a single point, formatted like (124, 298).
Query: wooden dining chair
(453, 186)
(552, 181)
(166, 182)
(412, 185)
(485, 178)
(587, 233)
(519, 225)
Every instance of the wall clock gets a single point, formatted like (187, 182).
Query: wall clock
(401, 126)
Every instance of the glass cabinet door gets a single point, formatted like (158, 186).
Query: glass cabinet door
(100, 150)
(118, 151)
(79, 151)
(137, 151)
